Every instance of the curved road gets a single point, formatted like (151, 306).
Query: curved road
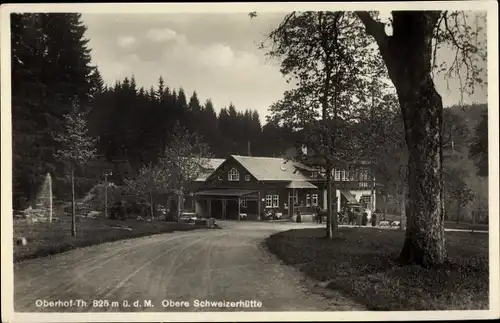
(230, 264)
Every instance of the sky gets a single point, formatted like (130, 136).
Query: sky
(215, 54)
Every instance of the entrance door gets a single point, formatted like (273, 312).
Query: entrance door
(231, 210)
(216, 210)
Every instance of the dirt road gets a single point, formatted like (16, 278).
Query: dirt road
(172, 272)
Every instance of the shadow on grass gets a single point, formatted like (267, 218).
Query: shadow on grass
(361, 264)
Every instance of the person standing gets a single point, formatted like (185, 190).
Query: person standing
(350, 216)
(374, 219)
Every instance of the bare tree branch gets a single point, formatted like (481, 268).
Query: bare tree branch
(374, 28)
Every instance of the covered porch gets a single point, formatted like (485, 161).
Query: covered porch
(227, 204)
(298, 200)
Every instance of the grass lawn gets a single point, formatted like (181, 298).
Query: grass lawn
(359, 263)
(47, 239)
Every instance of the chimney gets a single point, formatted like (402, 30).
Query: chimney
(248, 147)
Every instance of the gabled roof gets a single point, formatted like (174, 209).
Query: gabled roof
(211, 165)
(207, 163)
(272, 169)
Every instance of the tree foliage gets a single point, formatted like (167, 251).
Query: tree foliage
(384, 143)
(50, 71)
(136, 126)
(152, 179)
(183, 158)
(323, 54)
(408, 52)
(478, 149)
(455, 131)
(78, 147)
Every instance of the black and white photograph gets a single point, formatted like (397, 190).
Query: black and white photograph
(249, 161)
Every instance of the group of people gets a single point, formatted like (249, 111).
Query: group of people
(350, 214)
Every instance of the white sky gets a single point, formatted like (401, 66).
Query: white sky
(214, 54)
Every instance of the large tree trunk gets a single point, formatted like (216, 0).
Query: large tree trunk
(407, 55)
(329, 213)
(335, 216)
(328, 202)
(422, 112)
(73, 204)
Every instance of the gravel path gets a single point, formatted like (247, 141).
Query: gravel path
(171, 272)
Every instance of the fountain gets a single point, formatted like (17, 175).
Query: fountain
(43, 200)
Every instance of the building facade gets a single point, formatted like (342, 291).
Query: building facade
(251, 186)
(255, 185)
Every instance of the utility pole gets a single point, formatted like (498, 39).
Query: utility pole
(106, 193)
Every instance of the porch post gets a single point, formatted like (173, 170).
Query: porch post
(325, 204)
(224, 209)
(209, 203)
(289, 205)
(239, 208)
(259, 205)
(338, 195)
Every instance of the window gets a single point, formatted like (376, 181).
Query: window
(233, 175)
(343, 175)
(272, 201)
(247, 178)
(269, 201)
(276, 200)
(244, 202)
(314, 174)
(308, 199)
(293, 198)
(337, 174)
(315, 199)
(363, 184)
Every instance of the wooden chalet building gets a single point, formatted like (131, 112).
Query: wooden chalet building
(251, 185)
